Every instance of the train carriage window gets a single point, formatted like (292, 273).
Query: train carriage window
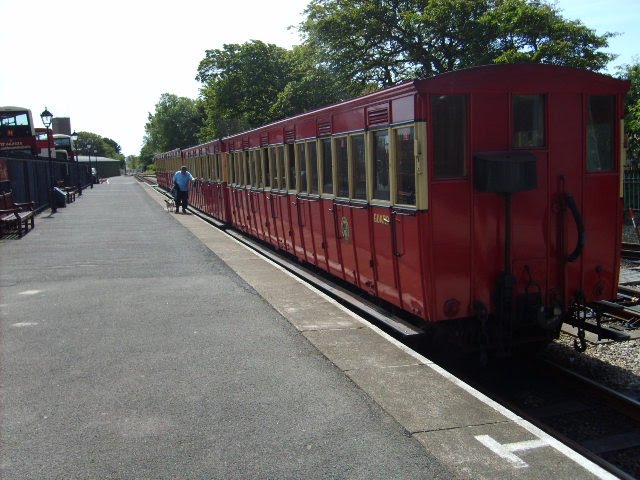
(292, 177)
(405, 166)
(358, 159)
(272, 170)
(238, 168)
(381, 188)
(259, 181)
(241, 170)
(528, 121)
(253, 179)
(266, 166)
(449, 124)
(282, 175)
(301, 162)
(600, 133)
(246, 168)
(312, 174)
(327, 166)
(342, 167)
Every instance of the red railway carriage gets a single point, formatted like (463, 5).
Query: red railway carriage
(486, 200)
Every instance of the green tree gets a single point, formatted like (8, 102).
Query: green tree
(535, 31)
(240, 83)
(632, 111)
(174, 124)
(384, 41)
(146, 155)
(312, 84)
(114, 147)
(91, 144)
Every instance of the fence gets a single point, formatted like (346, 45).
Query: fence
(28, 177)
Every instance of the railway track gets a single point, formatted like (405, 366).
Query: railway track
(630, 251)
(596, 421)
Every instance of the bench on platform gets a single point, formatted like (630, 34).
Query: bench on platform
(70, 192)
(15, 215)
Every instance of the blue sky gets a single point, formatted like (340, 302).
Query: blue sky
(616, 16)
(105, 64)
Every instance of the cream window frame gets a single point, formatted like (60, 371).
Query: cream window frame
(336, 170)
(352, 166)
(299, 187)
(321, 163)
(308, 144)
(393, 165)
(370, 166)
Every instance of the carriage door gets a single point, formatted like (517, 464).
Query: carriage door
(585, 170)
(601, 193)
(450, 207)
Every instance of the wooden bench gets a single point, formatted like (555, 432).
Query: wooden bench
(16, 215)
(70, 192)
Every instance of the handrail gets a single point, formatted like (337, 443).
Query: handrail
(577, 217)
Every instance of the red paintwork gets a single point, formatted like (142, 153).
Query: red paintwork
(436, 262)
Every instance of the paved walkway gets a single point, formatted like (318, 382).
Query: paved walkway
(141, 344)
(131, 351)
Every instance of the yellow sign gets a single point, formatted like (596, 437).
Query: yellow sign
(382, 219)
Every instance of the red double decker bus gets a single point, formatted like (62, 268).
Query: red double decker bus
(17, 133)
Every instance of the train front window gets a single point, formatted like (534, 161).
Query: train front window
(449, 124)
(405, 166)
(528, 121)
(600, 133)
(381, 189)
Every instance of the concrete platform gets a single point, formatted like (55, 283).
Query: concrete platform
(151, 345)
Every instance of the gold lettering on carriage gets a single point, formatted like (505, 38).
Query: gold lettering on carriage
(381, 218)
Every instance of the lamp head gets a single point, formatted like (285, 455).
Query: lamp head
(46, 117)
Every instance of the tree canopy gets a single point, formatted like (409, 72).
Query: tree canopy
(94, 144)
(250, 84)
(632, 113)
(384, 41)
(175, 124)
(240, 83)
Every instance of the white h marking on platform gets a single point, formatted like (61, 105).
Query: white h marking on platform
(506, 450)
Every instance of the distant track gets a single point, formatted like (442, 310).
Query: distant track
(631, 251)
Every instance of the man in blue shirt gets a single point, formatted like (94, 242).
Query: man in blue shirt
(181, 182)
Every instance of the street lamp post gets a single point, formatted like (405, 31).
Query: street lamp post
(89, 147)
(74, 142)
(47, 117)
